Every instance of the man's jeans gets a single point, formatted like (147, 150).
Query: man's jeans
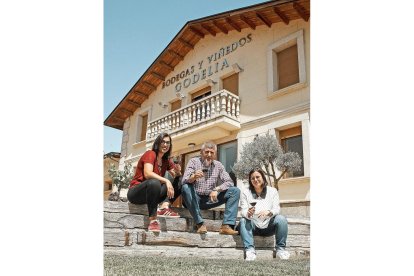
(194, 203)
(278, 226)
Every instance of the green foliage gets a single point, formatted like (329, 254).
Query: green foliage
(121, 178)
(265, 152)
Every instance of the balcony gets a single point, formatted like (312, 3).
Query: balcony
(210, 118)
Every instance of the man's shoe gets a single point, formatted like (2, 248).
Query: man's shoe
(283, 254)
(167, 212)
(250, 255)
(154, 226)
(226, 230)
(201, 229)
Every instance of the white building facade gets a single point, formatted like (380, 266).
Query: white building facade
(245, 73)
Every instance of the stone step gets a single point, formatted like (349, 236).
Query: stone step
(125, 226)
(130, 221)
(214, 214)
(140, 250)
(127, 237)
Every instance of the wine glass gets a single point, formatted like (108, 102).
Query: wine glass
(253, 204)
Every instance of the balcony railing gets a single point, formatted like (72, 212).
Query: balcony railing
(221, 103)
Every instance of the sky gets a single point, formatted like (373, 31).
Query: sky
(135, 33)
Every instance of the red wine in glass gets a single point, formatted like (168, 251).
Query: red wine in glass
(253, 203)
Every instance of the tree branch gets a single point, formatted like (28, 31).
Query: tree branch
(274, 176)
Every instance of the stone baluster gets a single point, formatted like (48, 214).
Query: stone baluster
(217, 104)
(177, 120)
(169, 123)
(233, 106)
(208, 108)
(194, 113)
(203, 110)
(173, 121)
(181, 118)
(237, 108)
(228, 101)
(198, 112)
(190, 115)
(185, 117)
(223, 103)
(162, 124)
(213, 107)
(148, 132)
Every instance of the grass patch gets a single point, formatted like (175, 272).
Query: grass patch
(135, 265)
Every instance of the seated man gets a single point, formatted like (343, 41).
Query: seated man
(206, 184)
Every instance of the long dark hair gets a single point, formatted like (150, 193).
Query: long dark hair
(157, 144)
(259, 170)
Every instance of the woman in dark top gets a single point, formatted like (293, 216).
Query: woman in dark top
(149, 184)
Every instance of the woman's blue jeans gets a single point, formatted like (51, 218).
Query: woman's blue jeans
(278, 226)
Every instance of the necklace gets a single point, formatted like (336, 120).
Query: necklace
(159, 164)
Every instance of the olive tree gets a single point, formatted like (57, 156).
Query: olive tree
(266, 153)
(120, 178)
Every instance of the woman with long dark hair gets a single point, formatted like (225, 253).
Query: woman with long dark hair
(260, 216)
(149, 184)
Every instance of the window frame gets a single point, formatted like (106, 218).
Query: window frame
(291, 132)
(280, 45)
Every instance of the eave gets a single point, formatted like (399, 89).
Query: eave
(191, 33)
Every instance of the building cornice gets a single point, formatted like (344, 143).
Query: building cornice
(303, 107)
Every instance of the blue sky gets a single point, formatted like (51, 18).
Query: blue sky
(135, 33)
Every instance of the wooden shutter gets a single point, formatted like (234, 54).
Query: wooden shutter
(232, 84)
(175, 105)
(144, 127)
(288, 66)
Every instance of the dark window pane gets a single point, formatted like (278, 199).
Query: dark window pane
(294, 144)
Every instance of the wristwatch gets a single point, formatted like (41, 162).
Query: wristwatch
(217, 189)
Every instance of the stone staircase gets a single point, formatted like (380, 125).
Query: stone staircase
(125, 232)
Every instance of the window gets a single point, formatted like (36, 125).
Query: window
(286, 64)
(227, 155)
(291, 140)
(144, 120)
(175, 105)
(202, 93)
(196, 96)
(231, 84)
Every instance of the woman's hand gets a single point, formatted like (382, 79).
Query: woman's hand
(250, 212)
(263, 214)
(170, 189)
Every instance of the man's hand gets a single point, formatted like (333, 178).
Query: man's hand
(213, 196)
(198, 174)
(177, 169)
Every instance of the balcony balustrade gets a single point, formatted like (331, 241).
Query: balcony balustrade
(221, 104)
